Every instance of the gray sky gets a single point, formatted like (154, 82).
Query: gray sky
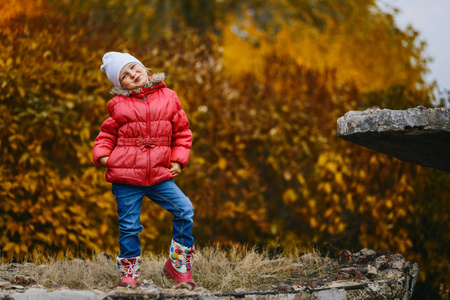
(432, 19)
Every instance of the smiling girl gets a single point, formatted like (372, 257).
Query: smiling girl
(145, 143)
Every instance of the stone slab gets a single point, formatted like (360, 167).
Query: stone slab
(416, 135)
(42, 294)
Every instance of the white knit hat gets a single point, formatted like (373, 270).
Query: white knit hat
(113, 62)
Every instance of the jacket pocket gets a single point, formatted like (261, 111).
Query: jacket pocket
(110, 161)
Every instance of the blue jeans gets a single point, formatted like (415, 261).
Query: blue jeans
(167, 195)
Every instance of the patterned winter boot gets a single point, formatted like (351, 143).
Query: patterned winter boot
(178, 266)
(130, 268)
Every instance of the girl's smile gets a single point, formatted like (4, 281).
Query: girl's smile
(133, 75)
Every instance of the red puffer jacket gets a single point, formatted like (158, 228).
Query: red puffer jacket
(146, 131)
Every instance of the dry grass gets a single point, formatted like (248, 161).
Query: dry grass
(217, 270)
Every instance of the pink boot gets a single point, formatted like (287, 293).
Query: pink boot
(178, 266)
(130, 268)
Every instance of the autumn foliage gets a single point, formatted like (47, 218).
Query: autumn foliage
(262, 82)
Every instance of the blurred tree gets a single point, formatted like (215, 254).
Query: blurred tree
(262, 83)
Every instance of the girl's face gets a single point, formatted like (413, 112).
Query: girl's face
(133, 76)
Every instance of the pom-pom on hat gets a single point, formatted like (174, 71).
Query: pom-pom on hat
(113, 62)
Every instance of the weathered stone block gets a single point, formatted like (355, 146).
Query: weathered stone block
(416, 135)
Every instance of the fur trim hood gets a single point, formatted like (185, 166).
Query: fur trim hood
(153, 81)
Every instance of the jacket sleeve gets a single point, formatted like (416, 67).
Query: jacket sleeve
(106, 141)
(181, 135)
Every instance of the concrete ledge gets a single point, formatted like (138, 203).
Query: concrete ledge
(416, 135)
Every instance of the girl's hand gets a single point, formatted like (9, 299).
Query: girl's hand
(175, 169)
(103, 160)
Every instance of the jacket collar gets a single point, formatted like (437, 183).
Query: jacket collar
(153, 81)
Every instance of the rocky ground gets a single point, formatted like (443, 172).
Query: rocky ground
(363, 275)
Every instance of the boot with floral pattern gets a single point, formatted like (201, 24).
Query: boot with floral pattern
(130, 270)
(178, 266)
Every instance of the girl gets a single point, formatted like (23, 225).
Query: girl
(145, 143)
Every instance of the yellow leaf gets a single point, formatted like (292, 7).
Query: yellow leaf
(349, 205)
(331, 166)
(43, 237)
(103, 228)
(331, 230)
(389, 204)
(313, 222)
(61, 231)
(327, 187)
(222, 163)
(301, 179)
(23, 248)
(9, 246)
(341, 227)
(289, 196)
(322, 160)
(21, 91)
(72, 237)
(338, 178)
(323, 227)
(243, 173)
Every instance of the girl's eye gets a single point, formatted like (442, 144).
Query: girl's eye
(132, 67)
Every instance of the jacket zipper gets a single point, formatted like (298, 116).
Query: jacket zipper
(147, 105)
